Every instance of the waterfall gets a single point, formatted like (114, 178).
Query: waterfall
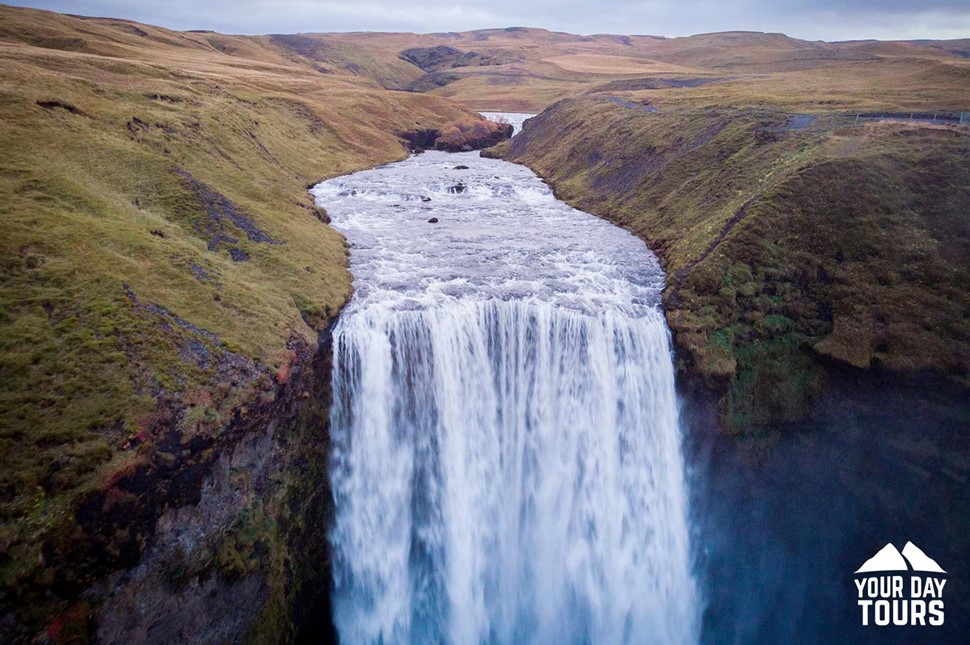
(506, 452)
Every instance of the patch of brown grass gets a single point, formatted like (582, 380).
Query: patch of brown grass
(540, 68)
(785, 248)
(159, 242)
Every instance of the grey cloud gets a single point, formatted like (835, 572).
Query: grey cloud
(811, 19)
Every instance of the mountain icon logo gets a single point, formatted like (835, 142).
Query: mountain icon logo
(889, 558)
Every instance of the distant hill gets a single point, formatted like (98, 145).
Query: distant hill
(529, 69)
(166, 283)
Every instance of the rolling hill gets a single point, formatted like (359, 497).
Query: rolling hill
(167, 283)
(529, 69)
(166, 286)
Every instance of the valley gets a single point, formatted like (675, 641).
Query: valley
(171, 295)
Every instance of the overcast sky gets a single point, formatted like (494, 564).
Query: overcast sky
(809, 19)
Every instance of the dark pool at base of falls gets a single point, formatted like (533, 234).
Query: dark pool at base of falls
(782, 521)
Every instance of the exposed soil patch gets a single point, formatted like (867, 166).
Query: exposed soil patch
(631, 105)
(59, 105)
(220, 212)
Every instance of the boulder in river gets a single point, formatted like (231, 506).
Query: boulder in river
(433, 220)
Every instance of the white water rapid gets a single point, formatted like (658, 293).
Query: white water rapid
(506, 459)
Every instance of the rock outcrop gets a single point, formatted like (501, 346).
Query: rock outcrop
(217, 530)
(433, 59)
(461, 136)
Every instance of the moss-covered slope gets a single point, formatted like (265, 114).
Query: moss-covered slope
(791, 244)
(163, 273)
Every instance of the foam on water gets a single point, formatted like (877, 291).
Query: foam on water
(506, 452)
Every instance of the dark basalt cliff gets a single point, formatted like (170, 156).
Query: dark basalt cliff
(214, 532)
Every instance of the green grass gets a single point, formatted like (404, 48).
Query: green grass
(113, 306)
(785, 249)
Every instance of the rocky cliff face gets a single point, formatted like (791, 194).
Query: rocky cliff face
(209, 537)
(788, 515)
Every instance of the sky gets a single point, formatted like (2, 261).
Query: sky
(808, 19)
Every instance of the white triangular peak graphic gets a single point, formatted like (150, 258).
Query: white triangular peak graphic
(888, 559)
(919, 560)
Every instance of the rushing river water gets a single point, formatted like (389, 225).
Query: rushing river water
(507, 462)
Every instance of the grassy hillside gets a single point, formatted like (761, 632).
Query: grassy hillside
(529, 69)
(160, 254)
(789, 244)
(164, 275)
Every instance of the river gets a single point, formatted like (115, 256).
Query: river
(507, 456)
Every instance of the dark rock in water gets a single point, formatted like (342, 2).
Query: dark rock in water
(457, 188)
(433, 220)
(426, 199)
(461, 168)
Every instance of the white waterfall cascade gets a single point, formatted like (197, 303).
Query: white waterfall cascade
(507, 461)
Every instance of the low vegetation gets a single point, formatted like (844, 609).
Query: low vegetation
(160, 256)
(463, 136)
(527, 70)
(790, 245)
(164, 276)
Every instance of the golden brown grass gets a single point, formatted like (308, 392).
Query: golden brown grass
(614, 65)
(785, 248)
(116, 290)
(760, 69)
